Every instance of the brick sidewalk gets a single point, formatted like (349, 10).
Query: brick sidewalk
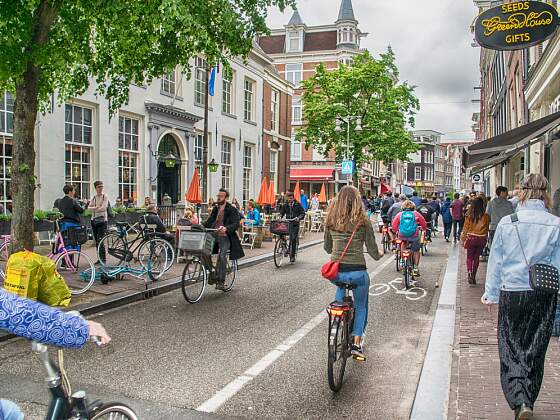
(475, 391)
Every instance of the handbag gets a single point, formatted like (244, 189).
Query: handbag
(543, 277)
(329, 270)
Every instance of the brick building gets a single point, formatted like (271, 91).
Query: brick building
(421, 165)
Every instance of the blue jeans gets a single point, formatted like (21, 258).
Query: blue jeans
(9, 411)
(360, 294)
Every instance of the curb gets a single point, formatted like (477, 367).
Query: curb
(166, 286)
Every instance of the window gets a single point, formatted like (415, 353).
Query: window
(5, 174)
(168, 83)
(7, 113)
(296, 110)
(417, 173)
(294, 41)
(247, 172)
(227, 91)
(428, 174)
(274, 114)
(249, 112)
(294, 73)
(198, 159)
(226, 163)
(200, 81)
(274, 168)
(128, 158)
(295, 153)
(78, 150)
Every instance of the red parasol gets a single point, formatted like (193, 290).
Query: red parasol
(384, 188)
(193, 195)
(323, 195)
(297, 195)
(263, 198)
(271, 194)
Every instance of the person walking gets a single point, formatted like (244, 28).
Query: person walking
(347, 226)
(457, 216)
(525, 313)
(435, 204)
(446, 218)
(99, 207)
(497, 209)
(475, 236)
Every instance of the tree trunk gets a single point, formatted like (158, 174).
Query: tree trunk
(25, 116)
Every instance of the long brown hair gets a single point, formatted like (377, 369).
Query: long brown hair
(347, 211)
(476, 210)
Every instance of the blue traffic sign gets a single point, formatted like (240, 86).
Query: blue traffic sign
(347, 167)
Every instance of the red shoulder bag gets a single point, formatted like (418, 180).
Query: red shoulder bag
(329, 270)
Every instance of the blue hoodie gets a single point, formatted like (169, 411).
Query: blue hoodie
(446, 212)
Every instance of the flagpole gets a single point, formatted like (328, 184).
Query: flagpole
(205, 140)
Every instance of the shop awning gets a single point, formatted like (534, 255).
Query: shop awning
(311, 174)
(495, 150)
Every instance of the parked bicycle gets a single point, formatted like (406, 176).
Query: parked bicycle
(66, 405)
(341, 323)
(282, 249)
(153, 252)
(74, 265)
(200, 269)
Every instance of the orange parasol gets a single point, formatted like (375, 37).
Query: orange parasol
(323, 195)
(263, 193)
(193, 195)
(297, 195)
(271, 194)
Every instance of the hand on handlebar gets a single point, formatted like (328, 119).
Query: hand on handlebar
(97, 333)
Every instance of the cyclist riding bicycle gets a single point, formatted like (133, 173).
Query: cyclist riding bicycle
(406, 224)
(292, 210)
(386, 204)
(225, 219)
(427, 211)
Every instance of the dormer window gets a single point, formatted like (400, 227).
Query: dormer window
(295, 41)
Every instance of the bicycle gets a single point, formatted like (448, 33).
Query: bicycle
(426, 237)
(341, 323)
(154, 253)
(71, 263)
(398, 258)
(282, 246)
(200, 269)
(405, 261)
(385, 238)
(66, 405)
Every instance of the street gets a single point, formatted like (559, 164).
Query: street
(266, 339)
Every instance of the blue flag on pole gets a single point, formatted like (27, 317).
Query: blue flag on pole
(211, 81)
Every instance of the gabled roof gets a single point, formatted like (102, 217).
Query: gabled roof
(346, 11)
(296, 19)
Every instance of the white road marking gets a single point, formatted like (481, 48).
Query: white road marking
(223, 395)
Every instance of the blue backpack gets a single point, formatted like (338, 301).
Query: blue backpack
(408, 225)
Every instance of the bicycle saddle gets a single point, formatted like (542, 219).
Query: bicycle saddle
(346, 286)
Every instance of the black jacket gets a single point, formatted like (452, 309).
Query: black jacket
(154, 219)
(292, 211)
(70, 208)
(231, 223)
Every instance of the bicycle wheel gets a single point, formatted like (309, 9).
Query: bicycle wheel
(156, 257)
(398, 261)
(407, 272)
(77, 270)
(194, 280)
(280, 251)
(425, 248)
(112, 250)
(114, 411)
(4, 256)
(231, 275)
(338, 352)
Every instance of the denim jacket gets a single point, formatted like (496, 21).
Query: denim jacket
(540, 236)
(35, 321)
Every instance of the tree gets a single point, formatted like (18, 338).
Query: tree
(57, 46)
(368, 89)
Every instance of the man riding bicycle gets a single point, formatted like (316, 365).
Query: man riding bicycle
(225, 219)
(427, 211)
(406, 224)
(292, 210)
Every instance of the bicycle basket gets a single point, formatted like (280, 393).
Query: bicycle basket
(74, 235)
(198, 242)
(280, 227)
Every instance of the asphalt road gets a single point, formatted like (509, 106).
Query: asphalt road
(245, 354)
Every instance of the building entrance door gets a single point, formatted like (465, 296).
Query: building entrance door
(169, 169)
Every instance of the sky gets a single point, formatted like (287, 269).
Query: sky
(432, 43)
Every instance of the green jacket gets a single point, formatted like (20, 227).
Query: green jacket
(336, 241)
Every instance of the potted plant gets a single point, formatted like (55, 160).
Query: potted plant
(85, 218)
(134, 214)
(5, 224)
(41, 221)
(119, 214)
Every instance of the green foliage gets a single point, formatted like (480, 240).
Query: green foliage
(39, 215)
(53, 215)
(136, 210)
(120, 42)
(118, 209)
(5, 217)
(368, 89)
(87, 213)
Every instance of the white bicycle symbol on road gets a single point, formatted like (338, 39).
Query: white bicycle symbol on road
(414, 293)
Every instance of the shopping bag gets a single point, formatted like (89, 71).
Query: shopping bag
(23, 272)
(53, 290)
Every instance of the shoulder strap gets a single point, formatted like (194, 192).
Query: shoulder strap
(515, 220)
(348, 243)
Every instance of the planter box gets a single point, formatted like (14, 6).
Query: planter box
(5, 227)
(43, 226)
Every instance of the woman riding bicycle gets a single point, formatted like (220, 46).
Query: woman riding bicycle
(346, 217)
(406, 224)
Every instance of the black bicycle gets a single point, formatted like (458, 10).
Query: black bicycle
(66, 405)
(282, 246)
(341, 323)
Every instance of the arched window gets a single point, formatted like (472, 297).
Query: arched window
(345, 35)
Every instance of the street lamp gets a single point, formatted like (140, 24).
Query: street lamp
(213, 166)
(348, 120)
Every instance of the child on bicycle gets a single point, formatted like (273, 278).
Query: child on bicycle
(406, 224)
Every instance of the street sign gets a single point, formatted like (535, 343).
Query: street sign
(347, 167)
(476, 178)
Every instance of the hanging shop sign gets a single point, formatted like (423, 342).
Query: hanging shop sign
(514, 26)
